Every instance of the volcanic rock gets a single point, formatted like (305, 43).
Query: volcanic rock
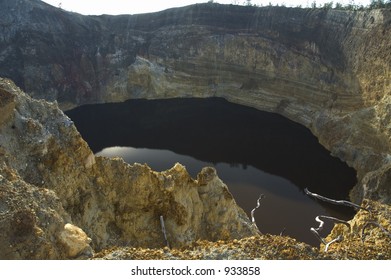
(56, 196)
(327, 69)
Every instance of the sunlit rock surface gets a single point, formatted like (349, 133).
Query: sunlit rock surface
(372, 244)
(58, 203)
(55, 199)
(326, 69)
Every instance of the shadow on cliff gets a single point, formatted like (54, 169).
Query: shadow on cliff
(59, 55)
(214, 130)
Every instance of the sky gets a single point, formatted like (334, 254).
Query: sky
(115, 7)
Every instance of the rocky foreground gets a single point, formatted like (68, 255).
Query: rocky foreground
(51, 182)
(372, 243)
(57, 201)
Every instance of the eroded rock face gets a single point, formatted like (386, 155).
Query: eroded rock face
(55, 196)
(7, 106)
(31, 219)
(326, 69)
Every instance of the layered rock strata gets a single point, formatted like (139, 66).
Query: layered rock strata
(58, 201)
(326, 69)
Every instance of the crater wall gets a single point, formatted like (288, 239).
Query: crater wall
(326, 69)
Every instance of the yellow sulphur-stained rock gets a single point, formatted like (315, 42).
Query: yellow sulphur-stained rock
(75, 240)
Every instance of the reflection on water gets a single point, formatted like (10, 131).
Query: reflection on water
(254, 152)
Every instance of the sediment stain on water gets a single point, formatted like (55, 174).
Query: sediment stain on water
(254, 152)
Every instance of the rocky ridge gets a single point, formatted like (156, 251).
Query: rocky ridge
(59, 201)
(360, 242)
(326, 69)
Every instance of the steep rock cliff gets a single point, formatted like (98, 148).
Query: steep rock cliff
(58, 201)
(326, 69)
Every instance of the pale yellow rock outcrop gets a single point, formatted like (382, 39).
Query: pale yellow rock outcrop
(107, 200)
(75, 241)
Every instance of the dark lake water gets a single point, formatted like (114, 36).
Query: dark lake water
(254, 152)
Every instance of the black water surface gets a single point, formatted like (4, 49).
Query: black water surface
(254, 152)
